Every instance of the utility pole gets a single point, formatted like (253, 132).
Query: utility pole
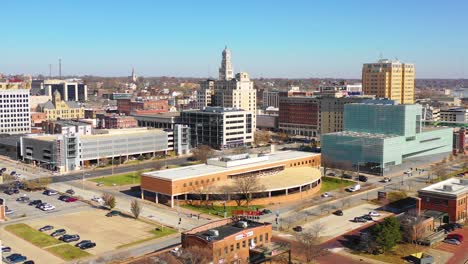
(60, 69)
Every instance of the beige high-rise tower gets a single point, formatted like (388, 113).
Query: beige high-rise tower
(389, 79)
(226, 72)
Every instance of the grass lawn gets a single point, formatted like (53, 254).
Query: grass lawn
(330, 184)
(32, 235)
(219, 209)
(119, 179)
(396, 255)
(156, 234)
(67, 252)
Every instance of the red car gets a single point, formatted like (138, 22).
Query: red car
(71, 199)
(458, 237)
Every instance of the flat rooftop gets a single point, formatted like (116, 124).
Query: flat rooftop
(205, 169)
(162, 115)
(362, 134)
(227, 230)
(450, 187)
(288, 178)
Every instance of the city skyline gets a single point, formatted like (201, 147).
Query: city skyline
(267, 39)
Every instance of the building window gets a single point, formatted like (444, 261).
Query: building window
(261, 238)
(185, 185)
(225, 250)
(190, 183)
(243, 244)
(232, 247)
(238, 245)
(266, 237)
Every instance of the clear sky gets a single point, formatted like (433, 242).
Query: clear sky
(295, 39)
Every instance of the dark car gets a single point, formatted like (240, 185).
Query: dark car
(35, 202)
(13, 173)
(12, 191)
(338, 212)
(18, 185)
(46, 228)
(87, 245)
(367, 217)
(347, 176)
(3, 170)
(362, 178)
(40, 205)
(297, 228)
(71, 199)
(15, 258)
(29, 262)
(112, 213)
(82, 242)
(58, 232)
(6, 249)
(63, 197)
(455, 225)
(69, 238)
(266, 211)
(359, 220)
(448, 228)
(70, 191)
(23, 199)
(50, 192)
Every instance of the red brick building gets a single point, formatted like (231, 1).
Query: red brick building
(127, 106)
(449, 196)
(116, 121)
(299, 115)
(228, 240)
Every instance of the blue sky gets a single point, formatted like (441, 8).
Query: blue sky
(295, 39)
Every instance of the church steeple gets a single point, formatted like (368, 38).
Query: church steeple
(225, 71)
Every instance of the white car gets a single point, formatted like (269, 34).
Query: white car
(373, 214)
(175, 251)
(97, 199)
(326, 194)
(386, 179)
(47, 207)
(408, 172)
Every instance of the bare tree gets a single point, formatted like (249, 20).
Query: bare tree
(243, 188)
(197, 255)
(309, 245)
(109, 200)
(261, 137)
(135, 208)
(202, 153)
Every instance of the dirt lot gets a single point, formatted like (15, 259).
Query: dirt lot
(91, 224)
(107, 232)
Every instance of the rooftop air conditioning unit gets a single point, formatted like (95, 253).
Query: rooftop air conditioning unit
(242, 224)
(448, 188)
(213, 233)
(464, 181)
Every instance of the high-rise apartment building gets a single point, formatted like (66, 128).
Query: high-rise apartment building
(205, 93)
(15, 111)
(389, 79)
(226, 72)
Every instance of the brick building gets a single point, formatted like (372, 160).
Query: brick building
(299, 115)
(284, 176)
(449, 196)
(228, 240)
(127, 106)
(109, 121)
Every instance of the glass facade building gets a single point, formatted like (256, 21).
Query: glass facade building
(379, 135)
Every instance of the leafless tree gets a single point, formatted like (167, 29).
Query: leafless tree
(261, 137)
(135, 208)
(309, 245)
(243, 188)
(202, 153)
(196, 255)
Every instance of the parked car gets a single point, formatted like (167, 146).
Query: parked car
(46, 228)
(452, 241)
(297, 228)
(40, 205)
(71, 199)
(15, 258)
(408, 172)
(331, 174)
(11, 191)
(23, 199)
(386, 179)
(374, 214)
(82, 242)
(455, 225)
(28, 262)
(266, 211)
(70, 191)
(12, 173)
(448, 228)
(347, 176)
(35, 202)
(112, 213)
(69, 238)
(3, 170)
(367, 217)
(354, 188)
(362, 178)
(87, 245)
(58, 232)
(326, 194)
(63, 197)
(458, 237)
(97, 199)
(175, 251)
(8, 211)
(47, 207)
(6, 249)
(338, 212)
(50, 192)
(359, 220)
(100, 184)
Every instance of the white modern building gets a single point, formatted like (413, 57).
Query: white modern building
(70, 90)
(457, 114)
(15, 113)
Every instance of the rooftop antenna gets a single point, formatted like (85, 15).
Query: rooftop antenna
(60, 69)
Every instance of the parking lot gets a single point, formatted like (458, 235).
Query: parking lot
(334, 225)
(22, 209)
